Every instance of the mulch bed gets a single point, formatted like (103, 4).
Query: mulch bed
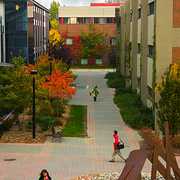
(14, 135)
(22, 137)
(112, 176)
(103, 176)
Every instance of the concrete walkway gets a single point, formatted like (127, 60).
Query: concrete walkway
(74, 156)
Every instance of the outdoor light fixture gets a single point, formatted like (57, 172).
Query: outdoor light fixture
(17, 7)
(33, 72)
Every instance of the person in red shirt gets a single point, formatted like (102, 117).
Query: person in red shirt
(116, 149)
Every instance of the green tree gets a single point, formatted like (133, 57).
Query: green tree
(94, 44)
(54, 9)
(15, 91)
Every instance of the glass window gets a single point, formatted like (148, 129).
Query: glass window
(69, 41)
(131, 14)
(65, 20)
(96, 20)
(150, 51)
(16, 28)
(84, 61)
(98, 61)
(79, 20)
(151, 8)
(110, 20)
(139, 48)
(102, 20)
(139, 13)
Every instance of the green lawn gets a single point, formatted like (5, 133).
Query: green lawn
(77, 123)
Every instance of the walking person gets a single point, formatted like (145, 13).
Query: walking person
(94, 92)
(44, 175)
(116, 147)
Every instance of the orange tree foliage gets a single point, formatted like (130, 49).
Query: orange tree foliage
(59, 85)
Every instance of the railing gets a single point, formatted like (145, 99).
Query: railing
(158, 152)
(7, 117)
(6, 122)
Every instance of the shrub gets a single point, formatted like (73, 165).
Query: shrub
(45, 122)
(132, 110)
(169, 103)
(115, 80)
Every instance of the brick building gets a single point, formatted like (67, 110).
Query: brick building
(75, 20)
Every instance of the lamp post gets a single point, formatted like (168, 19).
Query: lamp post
(33, 73)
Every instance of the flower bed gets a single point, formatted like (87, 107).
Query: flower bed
(112, 176)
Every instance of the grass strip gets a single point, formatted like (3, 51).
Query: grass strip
(134, 113)
(77, 124)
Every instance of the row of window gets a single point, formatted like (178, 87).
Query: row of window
(151, 10)
(150, 50)
(111, 41)
(87, 20)
(86, 61)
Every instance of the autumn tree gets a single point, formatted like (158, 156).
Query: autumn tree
(94, 44)
(169, 103)
(59, 85)
(76, 49)
(59, 88)
(57, 47)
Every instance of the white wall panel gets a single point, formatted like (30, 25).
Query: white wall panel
(151, 30)
(150, 72)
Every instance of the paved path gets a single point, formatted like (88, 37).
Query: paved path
(74, 156)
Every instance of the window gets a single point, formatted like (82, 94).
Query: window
(84, 61)
(130, 46)
(139, 48)
(69, 41)
(110, 20)
(98, 61)
(65, 20)
(102, 20)
(96, 20)
(84, 20)
(151, 8)
(131, 14)
(150, 51)
(139, 13)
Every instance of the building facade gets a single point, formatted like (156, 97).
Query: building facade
(76, 20)
(149, 43)
(27, 26)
